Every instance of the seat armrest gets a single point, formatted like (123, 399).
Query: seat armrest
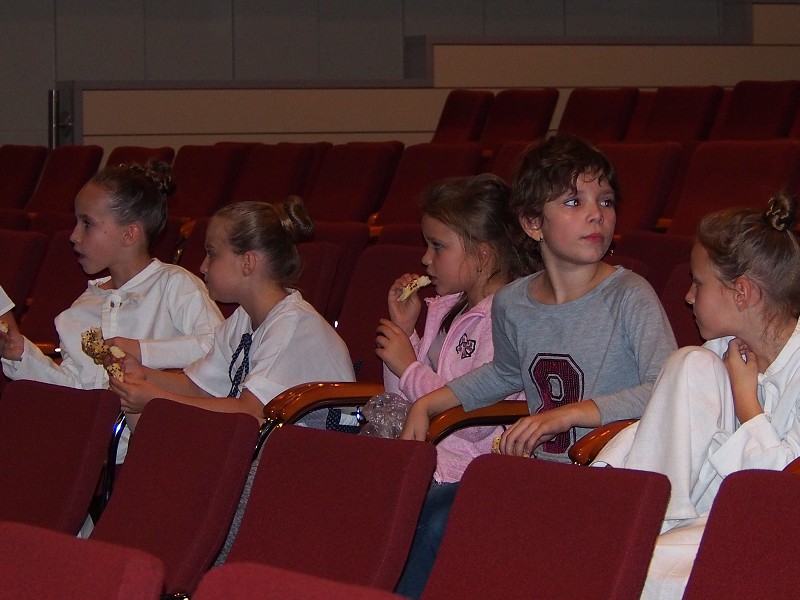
(453, 419)
(586, 449)
(793, 467)
(298, 401)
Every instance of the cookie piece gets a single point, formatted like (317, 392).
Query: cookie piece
(413, 286)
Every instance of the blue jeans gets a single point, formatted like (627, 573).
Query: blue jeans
(427, 539)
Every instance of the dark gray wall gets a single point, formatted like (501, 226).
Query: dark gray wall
(47, 41)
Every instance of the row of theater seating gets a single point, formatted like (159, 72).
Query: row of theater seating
(332, 515)
(750, 110)
(664, 184)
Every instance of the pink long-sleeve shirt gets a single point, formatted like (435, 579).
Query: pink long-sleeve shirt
(467, 345)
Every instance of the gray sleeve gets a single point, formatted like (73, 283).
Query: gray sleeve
(494, 380)
(652, 341)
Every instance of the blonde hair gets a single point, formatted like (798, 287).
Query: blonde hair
(273, 230)
(760, 245)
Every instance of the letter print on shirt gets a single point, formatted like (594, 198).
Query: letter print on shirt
(559, 381)
(465, 347)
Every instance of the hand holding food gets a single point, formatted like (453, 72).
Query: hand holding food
(95, 347)
(413, 286)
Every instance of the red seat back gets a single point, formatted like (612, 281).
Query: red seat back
(745, 546)
(758, 110)
(140, 155)
(65, 172)
(50, 473)
(645, 172)
(20, 168)
(463, 116)
(518, 114)
(351, 182)
(177, 493)
(485, 554)
(271, 172)
(598, 114)
(420, 166)
(48, 565)
(721, 174)
(679, 114)
(314, 509)
(23, 252)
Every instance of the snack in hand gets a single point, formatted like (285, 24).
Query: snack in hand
(95, 347)
(496, 448)
(3, 326)
(413, 286)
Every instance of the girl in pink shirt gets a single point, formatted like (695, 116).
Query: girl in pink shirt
(470, 234)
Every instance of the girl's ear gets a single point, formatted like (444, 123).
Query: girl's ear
(485, 256)
(746, 293)
(532, 226)
(249, 263)
(132, 233)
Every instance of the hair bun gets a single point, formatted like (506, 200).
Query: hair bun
(781, 213)
(160, 173)
(294, 218)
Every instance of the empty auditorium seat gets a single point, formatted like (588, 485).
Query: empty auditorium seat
(758, 110)
(176, 494)
(140, 155)
(505, 160)
(320, 263)
(23, 252)
(678, 114)
(598, 114)
(65, 171)
(482, 556)
(518, 114)
(271, 172)
(351, 181)
(312, 509)
(50, 473)
(204, 177)
(20, 168)
(463, 116)
(420, 166)
(645, 172)
(733, 173)
(48, 565)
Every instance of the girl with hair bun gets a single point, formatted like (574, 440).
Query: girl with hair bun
(732, 404)
(274, 340)
(159, 313)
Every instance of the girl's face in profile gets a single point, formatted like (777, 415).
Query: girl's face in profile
(97, 237)
(451, 268)
(712, 301)
(221, 268)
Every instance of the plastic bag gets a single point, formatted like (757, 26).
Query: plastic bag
(385, 415)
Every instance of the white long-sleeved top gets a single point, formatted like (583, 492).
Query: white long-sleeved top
(164, 306)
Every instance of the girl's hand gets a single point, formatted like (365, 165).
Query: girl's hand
(742, 366)
(12, 344)
(130, 346)
(130, 366)
(405, 313)
(393, 347)
(417, 422)
(134, 393)
(529, 432)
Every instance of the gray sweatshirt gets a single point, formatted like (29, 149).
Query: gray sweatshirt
(608, 346)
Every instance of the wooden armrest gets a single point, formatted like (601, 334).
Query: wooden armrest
(793, 467)
(586, 449)
(296, 402)
(453, 419)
